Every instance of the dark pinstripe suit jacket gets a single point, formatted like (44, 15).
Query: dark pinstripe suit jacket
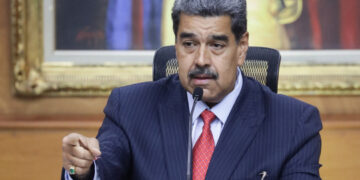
(144, 135)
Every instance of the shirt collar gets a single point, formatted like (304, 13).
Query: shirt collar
(223, 108)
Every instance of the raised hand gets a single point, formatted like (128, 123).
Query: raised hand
(79, 152)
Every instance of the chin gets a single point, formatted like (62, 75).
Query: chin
(209, 99)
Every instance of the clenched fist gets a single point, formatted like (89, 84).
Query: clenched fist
(79, 152)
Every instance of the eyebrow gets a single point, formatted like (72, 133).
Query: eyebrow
(214, 37)
(186, 35)
(220, 38)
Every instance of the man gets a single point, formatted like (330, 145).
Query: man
(241, 130)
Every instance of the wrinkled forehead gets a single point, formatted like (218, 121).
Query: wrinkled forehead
(214, 27)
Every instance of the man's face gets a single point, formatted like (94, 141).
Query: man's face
(208, 55)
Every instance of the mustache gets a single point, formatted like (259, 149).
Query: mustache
(203, 71)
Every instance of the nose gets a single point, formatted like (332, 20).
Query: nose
(202, 58)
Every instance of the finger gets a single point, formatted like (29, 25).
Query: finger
(78, 151)
(78, 170)
(72, 139)
(81, 171)
(94, 147)
(74, 161)
(81, 153)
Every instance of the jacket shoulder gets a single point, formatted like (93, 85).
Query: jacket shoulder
(138, 94)
(279, 105)
(273, 98)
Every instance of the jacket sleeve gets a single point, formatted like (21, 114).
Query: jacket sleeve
(114, 145)
(303, 163)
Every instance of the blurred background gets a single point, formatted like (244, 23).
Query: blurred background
(31, 128)
(138, 24)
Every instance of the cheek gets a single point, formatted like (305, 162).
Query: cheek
(185, 63)
(184, 68)
(226, 78)
(227, 72)
(182, 72)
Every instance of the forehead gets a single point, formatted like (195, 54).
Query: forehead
(205, 26)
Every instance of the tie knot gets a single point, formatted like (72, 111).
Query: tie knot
(207, 116)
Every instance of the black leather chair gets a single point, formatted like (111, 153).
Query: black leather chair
(261, 64)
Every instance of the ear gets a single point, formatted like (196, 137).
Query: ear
(243, 45)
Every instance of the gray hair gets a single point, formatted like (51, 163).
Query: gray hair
(236, 9)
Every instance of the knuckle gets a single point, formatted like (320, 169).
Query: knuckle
(65, 140)
(81, 155)
(73, 134)
(64, 146)
(75, 152)
(85, 164)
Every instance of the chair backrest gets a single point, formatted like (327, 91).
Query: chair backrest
(261, 64)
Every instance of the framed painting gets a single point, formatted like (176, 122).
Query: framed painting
(78, 48)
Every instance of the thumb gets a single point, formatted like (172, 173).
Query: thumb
(94, 147)
(91, 144)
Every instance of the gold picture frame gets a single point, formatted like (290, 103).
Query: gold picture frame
(33, 76)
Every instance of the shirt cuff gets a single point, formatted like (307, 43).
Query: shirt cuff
(96, 174)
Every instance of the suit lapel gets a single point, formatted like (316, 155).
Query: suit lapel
(174, 114)
(238, 132)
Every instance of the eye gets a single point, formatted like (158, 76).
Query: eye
(217, 46)
(188, 44)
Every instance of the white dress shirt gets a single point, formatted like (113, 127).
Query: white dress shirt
(221, 110)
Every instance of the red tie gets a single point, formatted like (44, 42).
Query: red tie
(204, 147)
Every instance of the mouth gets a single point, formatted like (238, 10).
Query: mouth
(201, 79)
(202, 76)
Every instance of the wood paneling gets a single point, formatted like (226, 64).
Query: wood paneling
(340, 154)
(334, 105)
(35, 153)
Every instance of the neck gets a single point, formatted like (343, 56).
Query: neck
(210, 104)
